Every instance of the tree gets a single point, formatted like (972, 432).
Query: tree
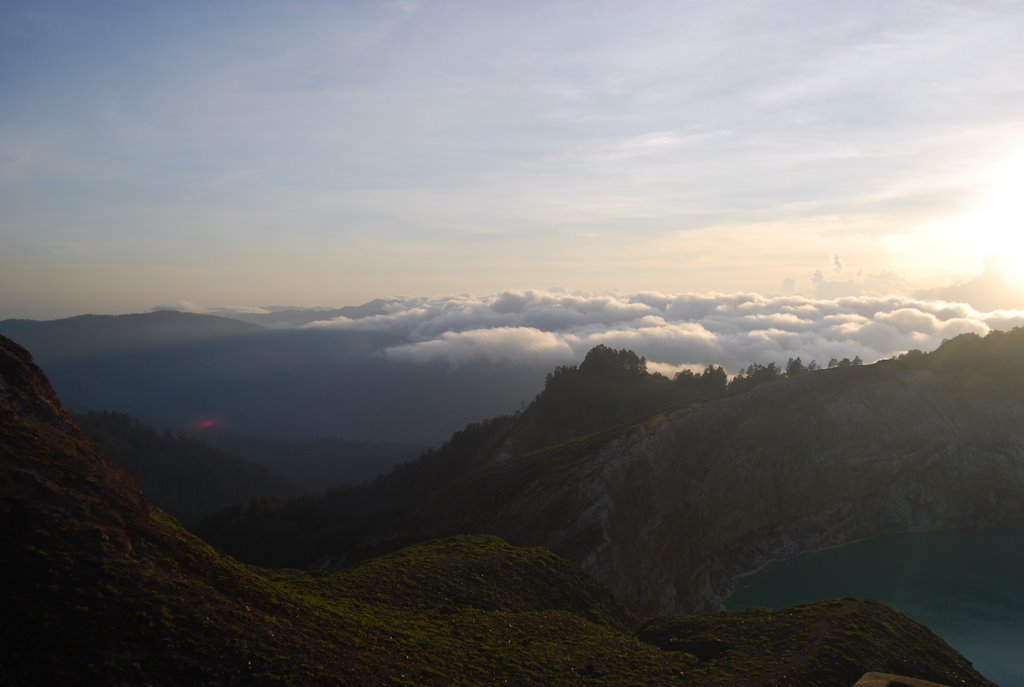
(602, 359)
(754, 375)
(714, 380)
(710, 383)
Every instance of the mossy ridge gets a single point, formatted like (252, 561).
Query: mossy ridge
(484, 573)
(814, 645)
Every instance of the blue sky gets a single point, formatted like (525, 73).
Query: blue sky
(250, 153)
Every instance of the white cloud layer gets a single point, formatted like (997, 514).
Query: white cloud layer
(672, 331)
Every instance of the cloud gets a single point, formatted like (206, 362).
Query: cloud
(672, 330)
(515, 345)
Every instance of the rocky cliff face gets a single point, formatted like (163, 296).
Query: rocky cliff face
(669, 512)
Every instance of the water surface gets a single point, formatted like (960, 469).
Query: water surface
(965, 586)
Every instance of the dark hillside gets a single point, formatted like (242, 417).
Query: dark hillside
(100, 588)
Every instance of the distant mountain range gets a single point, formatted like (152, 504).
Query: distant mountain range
(86, 336)
(102, 588)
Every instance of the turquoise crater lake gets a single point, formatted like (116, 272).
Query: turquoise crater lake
(968, 587)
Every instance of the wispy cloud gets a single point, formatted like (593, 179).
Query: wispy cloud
(203, 130)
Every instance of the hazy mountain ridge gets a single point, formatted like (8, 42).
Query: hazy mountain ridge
(668, 511)
(88, 335)
(102, 588)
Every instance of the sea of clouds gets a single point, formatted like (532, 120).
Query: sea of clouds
(673, 331)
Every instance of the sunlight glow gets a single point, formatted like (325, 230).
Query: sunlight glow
(995, 226)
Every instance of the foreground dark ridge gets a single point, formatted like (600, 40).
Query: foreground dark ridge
(101, 588)
(668, 511)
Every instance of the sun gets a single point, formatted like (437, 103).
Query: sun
(993, 229)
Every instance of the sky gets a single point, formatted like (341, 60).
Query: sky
(328, 153)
